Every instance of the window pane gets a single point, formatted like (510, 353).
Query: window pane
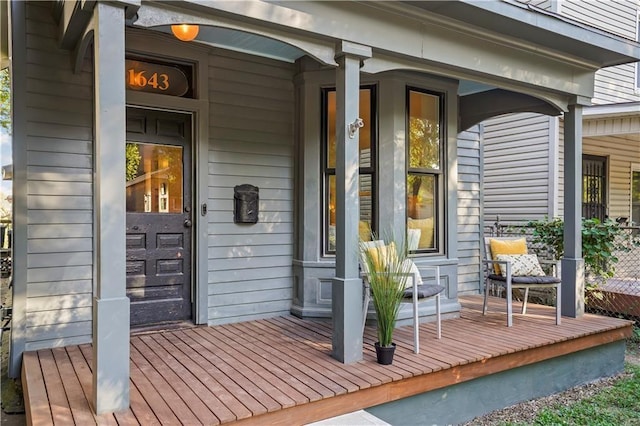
(421, 208)
(366, 210)
(364, 133)
(153, 178)
(424, 131)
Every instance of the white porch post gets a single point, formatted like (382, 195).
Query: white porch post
(110, 304)
(572, 262)
(346, 290)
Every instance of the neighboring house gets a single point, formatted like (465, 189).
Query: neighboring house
(266, 95)
(523, 175)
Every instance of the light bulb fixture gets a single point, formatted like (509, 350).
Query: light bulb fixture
(185, 32)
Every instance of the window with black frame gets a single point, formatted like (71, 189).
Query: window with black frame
(367, 138)
(424, 169)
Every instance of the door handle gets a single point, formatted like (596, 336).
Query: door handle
(187, 223)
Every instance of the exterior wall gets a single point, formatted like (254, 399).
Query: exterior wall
(313, 270)
(251, 141)
(251, 128)
(533, 182)
(517, 170)
(619, 162)
(613, 84)
(469, 208)
(617, 139)
(59, 166)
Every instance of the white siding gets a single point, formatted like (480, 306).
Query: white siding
(516, 168)
(469, 227)
(619, 163)
(542, 4)
(59, 189)
(618, 139)
(251, 141)
(613, 84)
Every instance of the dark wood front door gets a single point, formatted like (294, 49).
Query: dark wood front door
(158, 188)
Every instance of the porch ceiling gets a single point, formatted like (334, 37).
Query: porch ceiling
(240, 41)
(546, 60)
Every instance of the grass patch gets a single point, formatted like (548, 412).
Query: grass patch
(617, 405)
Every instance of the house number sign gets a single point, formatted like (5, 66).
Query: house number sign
(155, 78)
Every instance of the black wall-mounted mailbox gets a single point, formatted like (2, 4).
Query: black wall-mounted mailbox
(245, 203)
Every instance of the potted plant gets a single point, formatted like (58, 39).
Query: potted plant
(386, 273)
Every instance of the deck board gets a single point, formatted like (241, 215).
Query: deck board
(280, 370)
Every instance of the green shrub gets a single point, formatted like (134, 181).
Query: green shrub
(600, 242)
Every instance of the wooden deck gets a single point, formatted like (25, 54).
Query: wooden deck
(279, 371)
(617, 295)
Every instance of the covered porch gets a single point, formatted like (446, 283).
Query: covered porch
(472, 60)
(280, 370)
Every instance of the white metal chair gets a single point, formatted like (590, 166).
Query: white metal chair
(510, 281)
(418, 291)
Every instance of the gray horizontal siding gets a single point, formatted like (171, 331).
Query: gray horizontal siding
(516, 168)
(59, 189)
(468, 208)
(251, 126)
(613, 84)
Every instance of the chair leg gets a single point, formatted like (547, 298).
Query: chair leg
(486, 294)
(509, 303)
(438, 320)
(524, 302)
(416, 325)
(558, 304)
(365, 308)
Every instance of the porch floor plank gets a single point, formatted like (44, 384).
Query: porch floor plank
(222, 402)
(285, 395)
(60, 409)
(179, 383)
(246, 391)
(280, 370)
(77, 400)
(273, 365)
(305, 366)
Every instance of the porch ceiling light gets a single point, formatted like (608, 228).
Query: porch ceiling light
(185, 32)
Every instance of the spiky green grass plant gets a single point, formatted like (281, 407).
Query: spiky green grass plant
(387, 278)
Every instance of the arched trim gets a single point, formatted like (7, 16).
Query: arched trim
(480, 106)
(321, 50)
(80, 51)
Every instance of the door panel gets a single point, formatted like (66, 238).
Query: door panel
(158, 196)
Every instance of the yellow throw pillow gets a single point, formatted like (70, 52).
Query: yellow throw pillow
(426, 231)
(381, 256)
(498, 246)
(364, 230)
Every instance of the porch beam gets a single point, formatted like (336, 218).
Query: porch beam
(572, 262)
(110, 303)
(346, 296)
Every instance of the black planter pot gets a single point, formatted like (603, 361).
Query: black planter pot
(385, 353)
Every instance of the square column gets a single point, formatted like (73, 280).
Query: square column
(110, 304)
(346, 290)
(572, 262)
